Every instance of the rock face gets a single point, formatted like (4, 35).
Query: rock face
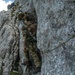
(54, 34)
(9, 42)
(55, 37)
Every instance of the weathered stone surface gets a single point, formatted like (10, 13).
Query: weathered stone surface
(9, 42)
(56, 26)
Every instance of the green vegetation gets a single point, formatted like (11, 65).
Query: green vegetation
(14, 73)
(0, 71)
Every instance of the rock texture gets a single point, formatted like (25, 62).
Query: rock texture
(55, 29)
(9, 42)
(55, 37)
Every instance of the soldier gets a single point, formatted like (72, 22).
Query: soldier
(30, 22)
(20, 15)
(30, 44)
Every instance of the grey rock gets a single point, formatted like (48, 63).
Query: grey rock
(54, 32)
(55, 37)
(9, 37)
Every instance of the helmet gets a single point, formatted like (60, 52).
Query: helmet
(20, 12)
(20, 15)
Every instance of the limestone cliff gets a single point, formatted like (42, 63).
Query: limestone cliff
(55, 37)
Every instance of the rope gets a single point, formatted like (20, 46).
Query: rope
(59, 45)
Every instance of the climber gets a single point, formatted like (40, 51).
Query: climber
(30, 17)
(30, 44)
(20, 15)
(31, 23)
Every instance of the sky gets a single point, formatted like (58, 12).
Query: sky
(4, 4)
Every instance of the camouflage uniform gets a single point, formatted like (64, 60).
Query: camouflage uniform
(30, 45)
